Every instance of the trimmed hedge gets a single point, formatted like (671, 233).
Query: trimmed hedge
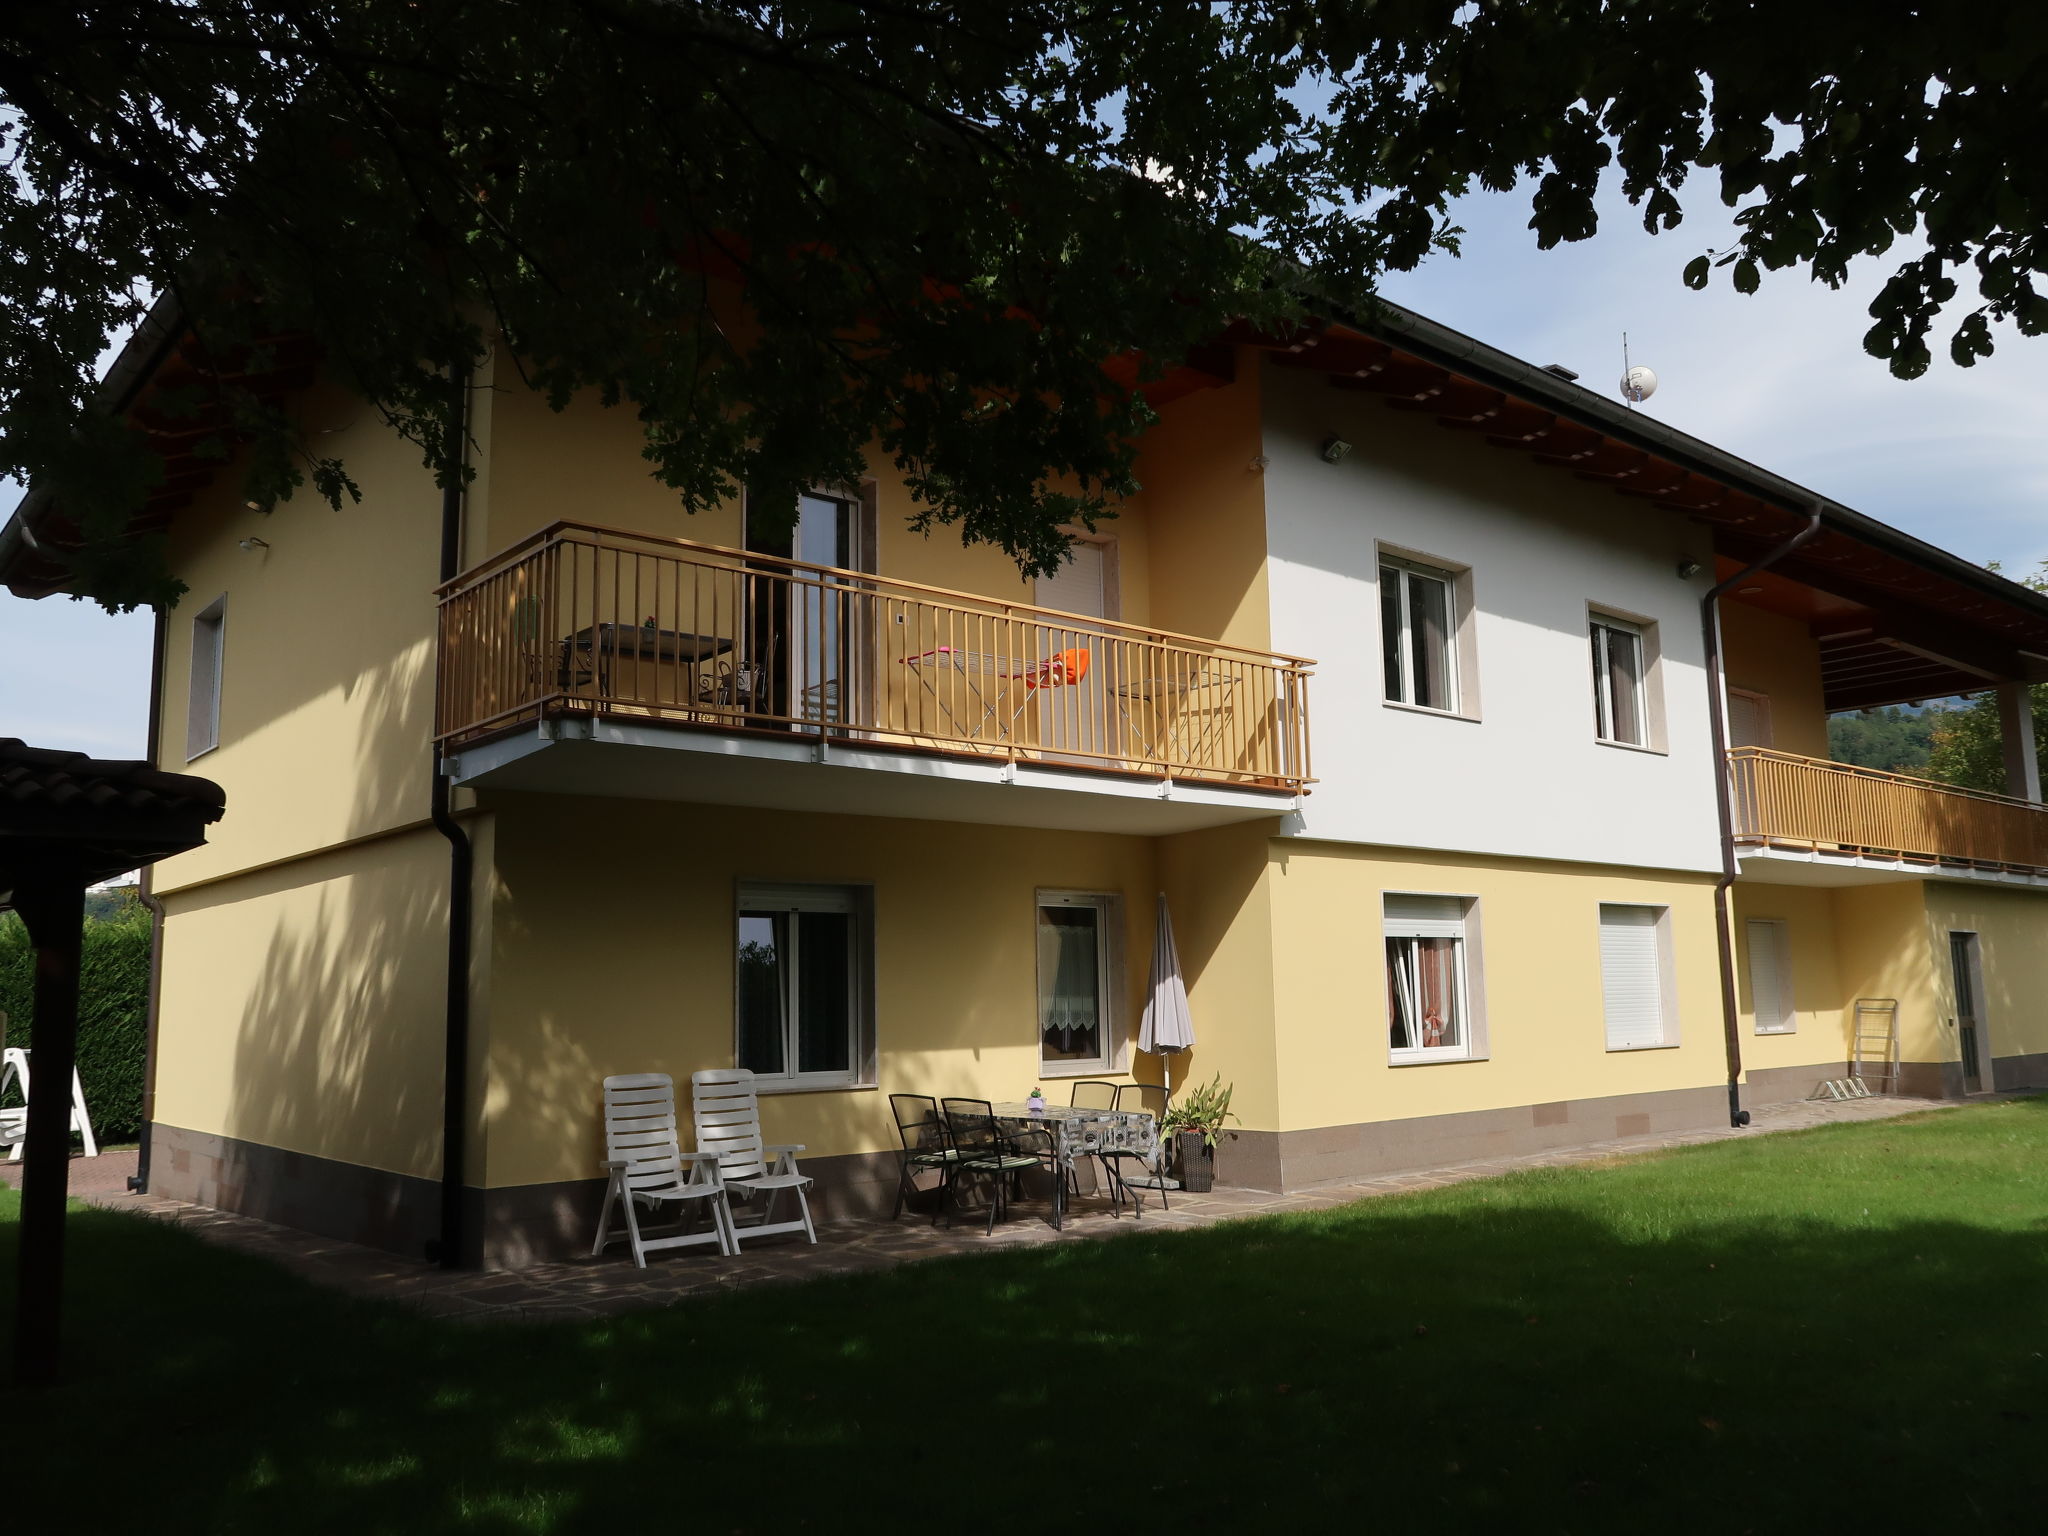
(113, 995)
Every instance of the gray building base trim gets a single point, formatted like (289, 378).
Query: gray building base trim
(510, 1227)
(2014, 1072)
(1286, 1161)
(526, 1224)
(1785, 1085)
(370, 1206)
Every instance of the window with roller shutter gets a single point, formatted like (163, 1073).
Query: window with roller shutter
(1635, 974)
(1770, 976)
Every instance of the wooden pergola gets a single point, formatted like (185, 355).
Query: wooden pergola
(68, 821)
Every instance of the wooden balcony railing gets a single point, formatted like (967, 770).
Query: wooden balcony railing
(579, 620)
(1785, 801)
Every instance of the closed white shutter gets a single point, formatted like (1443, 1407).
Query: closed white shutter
(1770, 976)
(1632, 976)
(1749, 719)
(1425, 917)
(1080, 585)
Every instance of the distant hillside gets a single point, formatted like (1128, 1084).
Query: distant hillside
(1894, 739)
(111, 903)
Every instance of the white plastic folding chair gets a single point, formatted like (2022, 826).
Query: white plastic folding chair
(728, 1119)
(648, 1167)
(14, 1122)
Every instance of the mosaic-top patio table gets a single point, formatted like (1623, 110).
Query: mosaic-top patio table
(1077, 1131)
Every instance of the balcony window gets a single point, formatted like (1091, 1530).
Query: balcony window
(803, 964)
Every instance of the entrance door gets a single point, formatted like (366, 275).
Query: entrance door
(1965, 962)
(801, 628)
(1072, 711)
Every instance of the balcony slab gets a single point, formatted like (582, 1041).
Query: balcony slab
(1798, 866)
(836, 776)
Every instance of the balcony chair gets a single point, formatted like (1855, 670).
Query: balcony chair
(740, 686)
(986, 1145)
(727, 1115)
(14, 1122)
(649, 1168)
(922, 1130)
(551, 665)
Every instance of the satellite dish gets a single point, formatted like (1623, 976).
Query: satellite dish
(1637, 385)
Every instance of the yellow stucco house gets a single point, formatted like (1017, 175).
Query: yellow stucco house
(1473, 727)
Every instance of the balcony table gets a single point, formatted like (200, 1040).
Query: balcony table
(1078, 1132)
(613, 641)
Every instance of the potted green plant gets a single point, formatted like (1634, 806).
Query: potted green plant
(1194, 1124)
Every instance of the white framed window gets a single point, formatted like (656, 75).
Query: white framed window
(1769, 941)
(1418, 634)
(1430, 993)
(1620, 672)
(1636, 978)
(1079, 981)
(202, 716)
(803, 990)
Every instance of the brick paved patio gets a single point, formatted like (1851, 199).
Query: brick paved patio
(583, 1288)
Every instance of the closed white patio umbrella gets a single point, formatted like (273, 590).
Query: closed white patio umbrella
(1167, 1026)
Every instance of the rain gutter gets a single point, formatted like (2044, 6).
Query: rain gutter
(452, 1248)
(1724, 808)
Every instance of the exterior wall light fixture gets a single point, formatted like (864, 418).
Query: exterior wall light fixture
(1689, 568)
(251, 545)
(1334, 450)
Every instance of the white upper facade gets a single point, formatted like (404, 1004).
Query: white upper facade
(1531, 560)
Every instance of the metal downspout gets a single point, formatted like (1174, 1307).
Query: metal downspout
(451, 1249)
(1717, 711)
(138, 1182)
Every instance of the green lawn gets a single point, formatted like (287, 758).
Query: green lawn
(1837, 1328)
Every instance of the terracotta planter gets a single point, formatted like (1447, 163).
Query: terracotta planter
(1197, 1163)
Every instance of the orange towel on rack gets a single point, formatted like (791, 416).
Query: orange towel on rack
(1066, 667)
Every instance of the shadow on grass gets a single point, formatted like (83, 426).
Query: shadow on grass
(1836, 1329)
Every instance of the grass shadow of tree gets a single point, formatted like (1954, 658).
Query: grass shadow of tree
(1730, 1338)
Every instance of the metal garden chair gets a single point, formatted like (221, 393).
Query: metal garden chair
(926, 1148)
(986, 1146)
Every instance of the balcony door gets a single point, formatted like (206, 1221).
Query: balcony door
(1074, 710)
(1749, 718)
(802, 630)
(1966, 964)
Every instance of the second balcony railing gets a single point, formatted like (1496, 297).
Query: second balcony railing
(584, 620)
(1785, 801)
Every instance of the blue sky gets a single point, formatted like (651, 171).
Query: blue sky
(1958, 457)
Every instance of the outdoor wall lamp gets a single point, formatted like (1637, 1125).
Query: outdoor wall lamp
(1689, 568)
(1334, 449)
(251, 545)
